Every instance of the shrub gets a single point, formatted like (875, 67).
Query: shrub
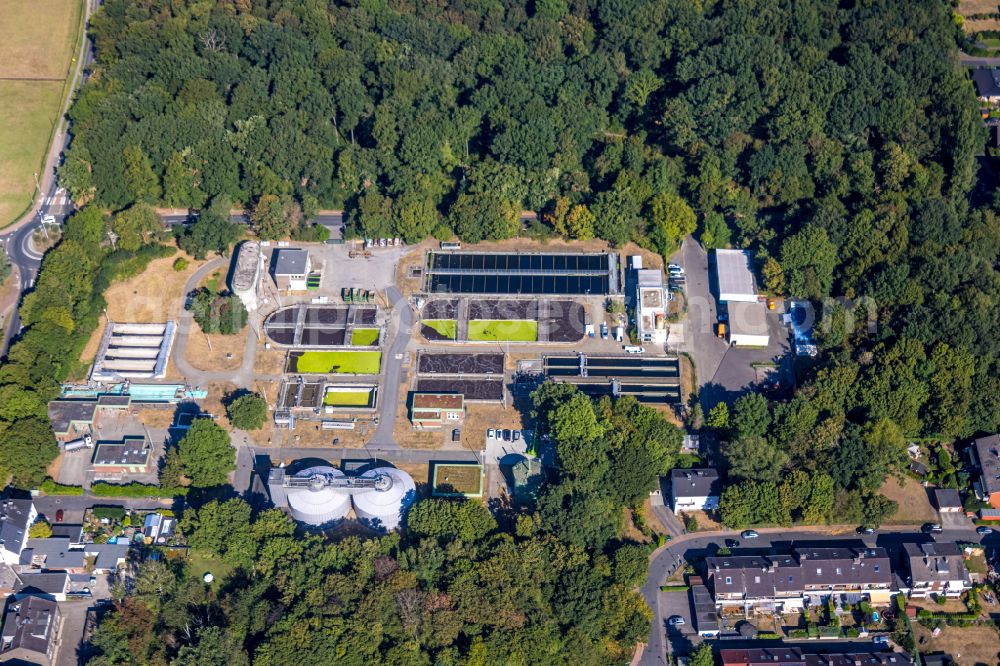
(101, 489)
(852, 632)
(50, 487)
(181, 264)
(40, 530)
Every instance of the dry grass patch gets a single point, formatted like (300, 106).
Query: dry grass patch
(153, 296)
(269, 362)
(212, 352)
(979, 25)
(966, 645)
(156, 418)
(39, 37)
(29, 109)
(914, 504)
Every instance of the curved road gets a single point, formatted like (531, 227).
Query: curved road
(665, 560)
(15, 239)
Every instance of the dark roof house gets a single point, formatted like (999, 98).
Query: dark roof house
(16, 516)
(794, 656)
(988, 457)
(29, 630)
(936, 567)
(948, 500)
(987, 82)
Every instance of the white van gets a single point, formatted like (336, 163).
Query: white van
(632, 349)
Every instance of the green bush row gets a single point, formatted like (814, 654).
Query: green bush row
(50, 487)
(102, 489)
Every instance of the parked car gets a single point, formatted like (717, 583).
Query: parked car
(749, 534)
(931, 527)
(456, 435)
(676, 621)
(59, 516)
(506, 435)
(732, 543)
(491, 433)
(881, 640)
(866, 530)
(516, 435)
(675, 268)
(604, 331)
(983, 530)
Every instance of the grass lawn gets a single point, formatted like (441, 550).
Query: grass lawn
(447, 328)
(39, 40)
(513, 330)
(343, 362)
(465, 479)
(200, 562)
(364, 337)
(348, 398)
(28, 108)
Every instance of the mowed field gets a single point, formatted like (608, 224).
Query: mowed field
(37, 43)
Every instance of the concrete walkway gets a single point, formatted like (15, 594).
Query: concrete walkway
(400, 330)
(244, 376)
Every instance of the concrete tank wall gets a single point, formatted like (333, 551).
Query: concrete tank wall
(318, 506)
(386, 508)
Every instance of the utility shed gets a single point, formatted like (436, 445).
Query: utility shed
(748, 325)
(735, 276)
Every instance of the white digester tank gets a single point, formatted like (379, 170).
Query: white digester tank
(317, 503)
(385, 505)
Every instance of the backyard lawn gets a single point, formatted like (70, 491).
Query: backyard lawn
(364, 337)
(447, 328)
(39, 38)
(348, 398)
(503, 330)
(342, 362)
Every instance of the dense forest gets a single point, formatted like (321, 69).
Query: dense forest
(836, 141)
(555, 584)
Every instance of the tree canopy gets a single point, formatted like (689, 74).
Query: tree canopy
(206, 455)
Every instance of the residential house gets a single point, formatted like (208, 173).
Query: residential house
(795, 656)
(987, 453)
(58, 554)
(156, 527)
(30, 626)
(290, 268)
(936, 568)
(16, 516)
(437, 410)
(696, 489)
(50, 585)
(987, 82)
(132, 455)
(802, 577)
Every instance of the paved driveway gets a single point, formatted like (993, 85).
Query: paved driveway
(724, 372)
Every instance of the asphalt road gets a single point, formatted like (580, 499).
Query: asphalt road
(696, 545)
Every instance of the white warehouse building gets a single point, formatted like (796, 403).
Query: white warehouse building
(650, 303)
(735, 276)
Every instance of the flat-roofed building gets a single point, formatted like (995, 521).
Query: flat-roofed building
(734, 274)
(748, 325)
(290, 268)
(650, 306)
(437, 410)
(132, 455)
